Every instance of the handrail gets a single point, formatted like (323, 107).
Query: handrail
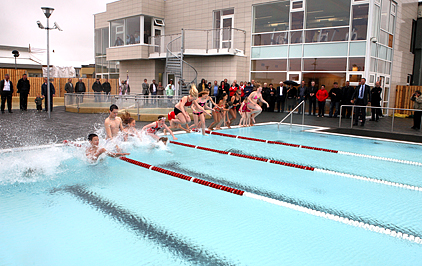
(302, 103)
(375, 107)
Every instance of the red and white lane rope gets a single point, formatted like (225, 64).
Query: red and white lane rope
(315, 148)
(325, 215)
(384, 182)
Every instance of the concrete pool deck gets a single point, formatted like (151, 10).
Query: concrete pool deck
(20, 129)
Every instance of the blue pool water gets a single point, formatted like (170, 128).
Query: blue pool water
(56, 209)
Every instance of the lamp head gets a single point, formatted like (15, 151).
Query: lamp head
(40, 25)
(15, 53)
(47, 11)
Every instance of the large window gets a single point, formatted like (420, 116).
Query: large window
(147, 28)
(271, 17)
(101, 41)
(269, 65)
(132, 30)
(117, 32)
(360, 22)
(324, 64)
(269, 77)
(327, 13)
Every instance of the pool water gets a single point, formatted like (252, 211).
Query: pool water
(57, 209)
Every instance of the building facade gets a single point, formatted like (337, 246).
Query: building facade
(268, 41)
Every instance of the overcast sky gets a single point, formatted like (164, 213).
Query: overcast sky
(72, 47)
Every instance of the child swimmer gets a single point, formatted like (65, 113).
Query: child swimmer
(93, 151)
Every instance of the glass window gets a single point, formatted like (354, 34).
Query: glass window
(376, 23)
(359, 48)
(325, 49)
(147, 28)
(327, 35)
(297, 21)
(373, 64)
(355, 78)
(360, 22)
(269, 77)
(391, 25)
(105, 40)
(385, 13)
(269, 65)
(227, 12)
(324, 64)
(383, 37)
(295, 51)
(381, 66)
(117, 32)
(98, 67)
(133, 27)
(356, 63)
(272, 17)
(295, 65)
(296, 37)
(97, 37)
(271, 38)
(325, 78)
(327, 13)
(297, 5)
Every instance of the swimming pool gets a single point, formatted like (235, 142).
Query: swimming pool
(56, 209)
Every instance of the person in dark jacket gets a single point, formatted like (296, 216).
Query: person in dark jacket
(106, 89)
(346, 96)
(80, 89)
(44, 92)
(23, 90)
(202, 86)
(265, 96)
(97, 88)
(376, 101)
(291, 97)
(248, 90)
(221, 90)
(281, 97)
(312, 90)
(6, 91)
(302, 92)
(272, 98)
(335, 96)
(361, 97)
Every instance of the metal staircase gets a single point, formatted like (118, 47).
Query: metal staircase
(175, 62)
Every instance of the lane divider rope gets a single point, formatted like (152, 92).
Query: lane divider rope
(374, 180)
(315, 148)
(313, 212)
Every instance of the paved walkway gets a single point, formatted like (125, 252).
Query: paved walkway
(30, 128)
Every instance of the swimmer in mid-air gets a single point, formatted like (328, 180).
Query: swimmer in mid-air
(152, 129)
(182, 117)
(254, 97)
(93, 151)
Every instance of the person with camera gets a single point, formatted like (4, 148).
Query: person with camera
(417, 98)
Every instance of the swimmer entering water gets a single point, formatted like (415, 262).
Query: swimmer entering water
(113, 123)
(93, 151)
(154, 127)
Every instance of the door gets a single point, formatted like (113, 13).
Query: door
(157, 40)
(226, 26)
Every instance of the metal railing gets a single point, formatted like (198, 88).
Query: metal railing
(209, 41)
(301, 104)
(136, 102)
(372, 107)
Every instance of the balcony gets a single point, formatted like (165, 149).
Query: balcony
(224, 41)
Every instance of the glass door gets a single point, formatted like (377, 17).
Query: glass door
(226, 27)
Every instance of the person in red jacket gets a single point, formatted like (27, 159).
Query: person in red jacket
(321, 95)
(233, 89)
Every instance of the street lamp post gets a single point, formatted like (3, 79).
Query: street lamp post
(47, 12)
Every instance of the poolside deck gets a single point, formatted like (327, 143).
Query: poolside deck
(30, 128)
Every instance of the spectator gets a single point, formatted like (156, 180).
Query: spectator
(80, 89)
(23, 90)
(321, 96)
(44, 92)
(232, 90)
(242, 89)
(376, 102)
(68, 87)
(281, 97)
(361, 97)
(118, 42)
(265, 96)
(291, 97)
(145, 88)
(106, 89)
(153, 90)
(271, 98)
(38, 103)
(170, 91)
(226, 87)
(202, 86)
(417, 98)
(221, 91)
(335, 96)
(301, 94)
(97, 88)
(248, 90)
(160, 89)
(214, 89)
(6, 90)
(346, 96)
(312, 98)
